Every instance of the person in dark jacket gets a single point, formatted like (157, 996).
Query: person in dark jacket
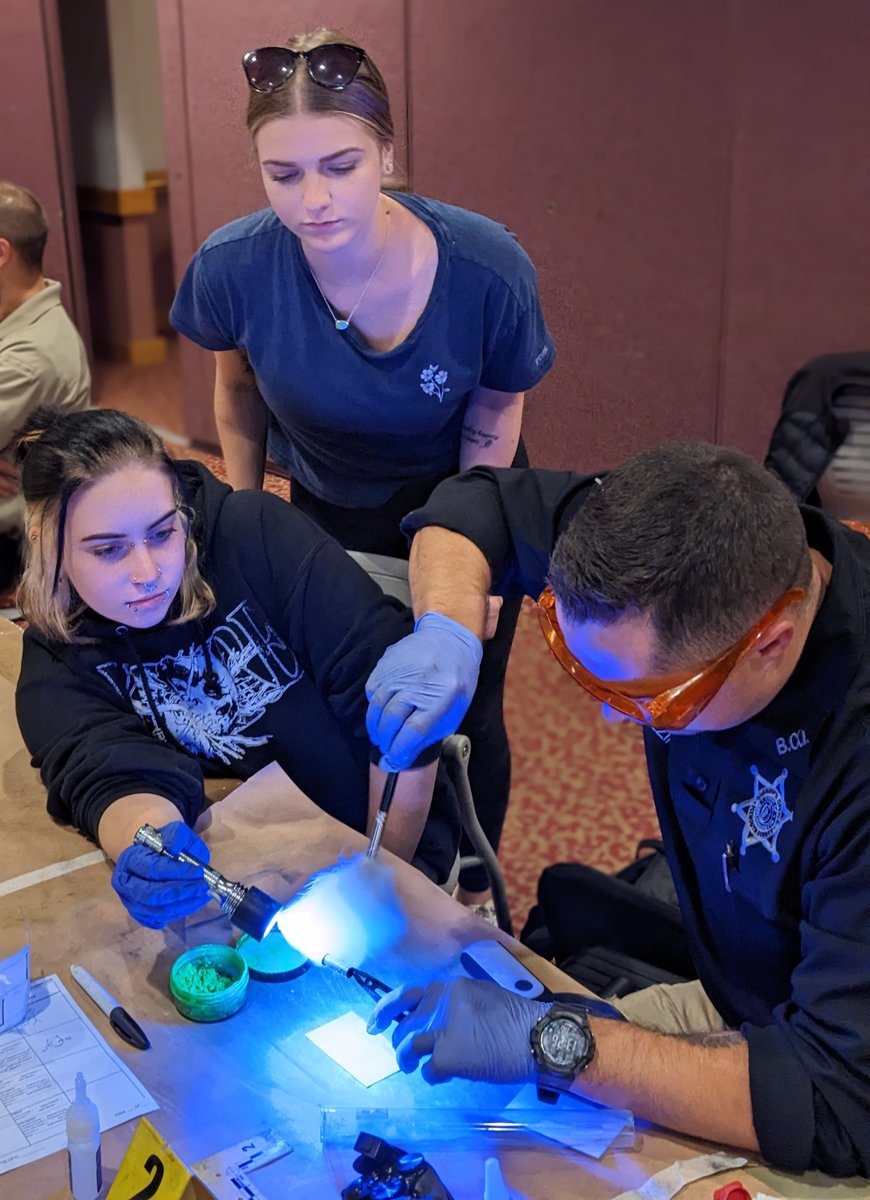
(691, 594)
(820, 446)
(178, 629)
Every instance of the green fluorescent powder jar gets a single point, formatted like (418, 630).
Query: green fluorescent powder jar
(209, 983)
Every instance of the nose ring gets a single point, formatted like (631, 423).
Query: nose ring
(148, 587)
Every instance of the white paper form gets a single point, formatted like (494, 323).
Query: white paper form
(38, 1064)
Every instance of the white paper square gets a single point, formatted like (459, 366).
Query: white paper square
(368, 1058)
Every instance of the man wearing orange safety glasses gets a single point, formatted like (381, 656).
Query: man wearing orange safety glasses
(688, 592)
(668, 703)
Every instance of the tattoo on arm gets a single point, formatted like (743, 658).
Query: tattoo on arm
(714, 1041)
(478, 437)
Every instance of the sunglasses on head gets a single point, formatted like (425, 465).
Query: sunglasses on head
(670, 702)
(332, 66)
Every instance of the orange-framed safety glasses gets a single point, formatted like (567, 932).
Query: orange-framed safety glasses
(668, 702)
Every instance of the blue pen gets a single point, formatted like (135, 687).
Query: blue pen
(120, 1020)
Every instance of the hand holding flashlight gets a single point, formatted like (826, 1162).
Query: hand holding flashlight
(249, 908)
(158, 889)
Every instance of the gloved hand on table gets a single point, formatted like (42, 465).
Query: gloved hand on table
(421, 689)
(468, 1028)
(155, 889)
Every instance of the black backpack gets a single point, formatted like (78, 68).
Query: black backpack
(613, 933)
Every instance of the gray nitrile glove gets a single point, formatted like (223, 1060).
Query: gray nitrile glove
(468, 1029)
(421, 689)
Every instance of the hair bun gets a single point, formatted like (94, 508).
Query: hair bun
(27, 435)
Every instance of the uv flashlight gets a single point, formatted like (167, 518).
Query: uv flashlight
(248, 908)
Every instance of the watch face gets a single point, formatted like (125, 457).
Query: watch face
(563, 1042)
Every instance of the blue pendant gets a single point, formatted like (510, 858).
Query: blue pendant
(342, 325)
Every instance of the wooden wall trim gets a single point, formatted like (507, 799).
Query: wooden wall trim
(117, 202)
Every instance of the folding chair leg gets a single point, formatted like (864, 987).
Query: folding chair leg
(456, 752)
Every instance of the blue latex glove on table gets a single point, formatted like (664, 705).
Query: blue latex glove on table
(464, 1028)
(421, 689)
(155, 889)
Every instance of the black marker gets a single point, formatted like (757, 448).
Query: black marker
(120, 1020)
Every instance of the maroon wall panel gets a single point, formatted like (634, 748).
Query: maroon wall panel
(599, 133)
(34, 136)
(690, 179)
(212, 167)
(799, 263)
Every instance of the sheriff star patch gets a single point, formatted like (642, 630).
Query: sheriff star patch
(764, 814)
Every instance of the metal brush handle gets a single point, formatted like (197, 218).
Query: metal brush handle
(381, 815)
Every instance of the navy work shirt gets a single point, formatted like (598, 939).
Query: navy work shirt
(766, 827)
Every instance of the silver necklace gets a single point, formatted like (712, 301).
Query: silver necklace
(342, 323)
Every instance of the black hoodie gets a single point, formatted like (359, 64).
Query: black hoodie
(276, 672)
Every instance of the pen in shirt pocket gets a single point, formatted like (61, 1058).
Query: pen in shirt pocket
(729, 864)
(120, 1020)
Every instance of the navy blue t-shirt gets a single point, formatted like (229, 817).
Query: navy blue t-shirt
(351, 423)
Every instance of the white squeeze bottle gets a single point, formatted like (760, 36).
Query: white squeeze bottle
(83, 1143)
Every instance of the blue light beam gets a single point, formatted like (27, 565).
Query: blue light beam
(350, 911)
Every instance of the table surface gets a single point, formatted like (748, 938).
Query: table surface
(218, 1084)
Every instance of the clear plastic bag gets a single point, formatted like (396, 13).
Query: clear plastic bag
(587, 1128)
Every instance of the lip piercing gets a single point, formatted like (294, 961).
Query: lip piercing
(164, 599)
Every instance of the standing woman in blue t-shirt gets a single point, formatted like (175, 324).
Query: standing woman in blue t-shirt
(373, 343)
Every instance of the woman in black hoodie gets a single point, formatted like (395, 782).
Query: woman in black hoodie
(179, 629)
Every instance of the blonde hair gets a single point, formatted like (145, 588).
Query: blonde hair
(58, 454)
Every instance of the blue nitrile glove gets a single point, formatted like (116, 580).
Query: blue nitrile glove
(470, 1029)
(421, 689)
(155, 889)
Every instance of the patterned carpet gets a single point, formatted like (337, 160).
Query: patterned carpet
(579, 790)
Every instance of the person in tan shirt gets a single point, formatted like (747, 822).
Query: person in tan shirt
(42, 358)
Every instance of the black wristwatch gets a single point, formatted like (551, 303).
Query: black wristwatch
(562, 1043)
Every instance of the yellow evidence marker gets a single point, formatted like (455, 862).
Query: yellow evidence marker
(150, 1170)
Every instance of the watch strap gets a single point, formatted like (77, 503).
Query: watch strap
(593, 1005)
